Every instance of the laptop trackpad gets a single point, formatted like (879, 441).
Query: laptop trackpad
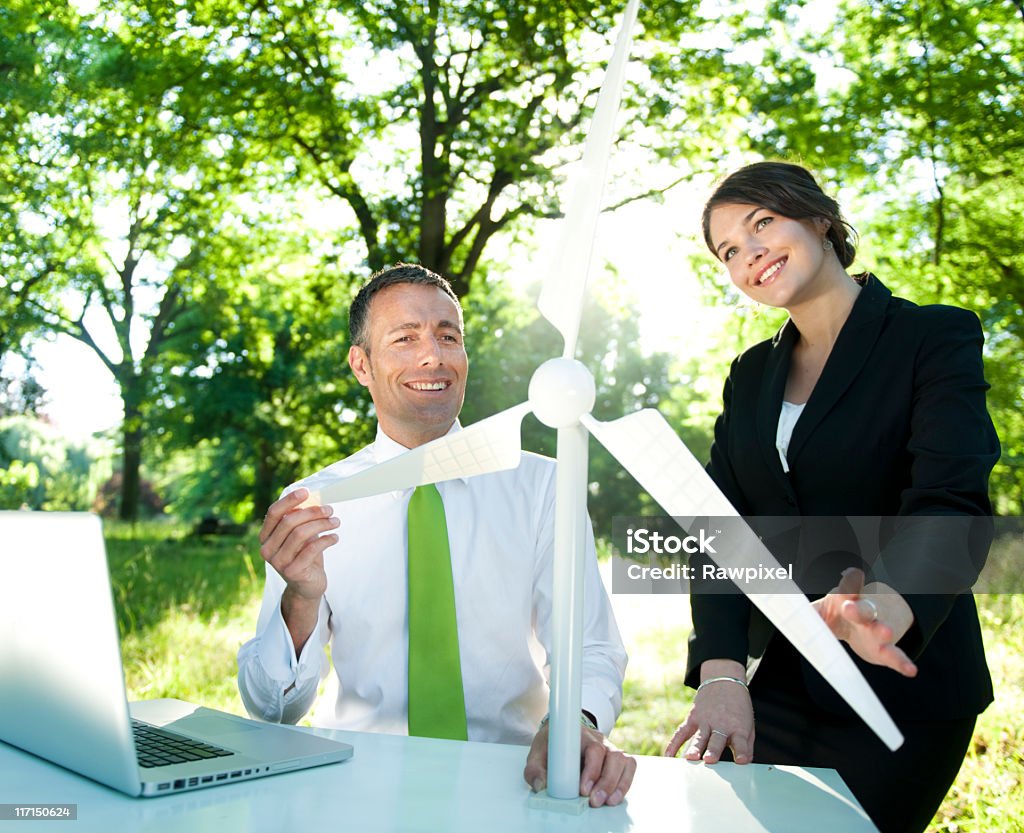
(211, 725)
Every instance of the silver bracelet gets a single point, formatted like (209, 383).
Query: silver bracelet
(711, 680)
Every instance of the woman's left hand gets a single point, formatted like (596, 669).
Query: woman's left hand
(870, 619)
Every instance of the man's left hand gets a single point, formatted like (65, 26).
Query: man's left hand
(606, 772)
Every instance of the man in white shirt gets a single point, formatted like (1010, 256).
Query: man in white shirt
(337, 574)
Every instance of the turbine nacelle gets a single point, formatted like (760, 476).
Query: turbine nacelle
(561, 391)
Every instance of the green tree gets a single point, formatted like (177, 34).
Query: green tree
(19, 483)
(32, 58)
(120, 204)
(430, 132)
(456, 134)
(262, 391)
(441, 125)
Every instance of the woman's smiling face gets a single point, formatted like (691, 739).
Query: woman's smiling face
(770, 258)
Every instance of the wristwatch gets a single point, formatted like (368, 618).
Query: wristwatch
(585, 719)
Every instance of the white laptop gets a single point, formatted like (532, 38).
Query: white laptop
(62, 693)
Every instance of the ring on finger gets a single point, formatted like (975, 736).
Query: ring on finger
(874, 609)
(720, 732)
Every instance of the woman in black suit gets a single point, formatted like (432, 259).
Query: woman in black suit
(863, 404)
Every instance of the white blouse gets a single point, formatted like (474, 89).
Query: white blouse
(787, 422)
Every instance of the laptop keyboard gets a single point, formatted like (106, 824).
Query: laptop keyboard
(158, 747)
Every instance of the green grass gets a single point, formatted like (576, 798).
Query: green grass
(654, 698)
(989, 793)
(185, 606)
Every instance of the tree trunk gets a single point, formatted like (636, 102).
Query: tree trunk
(433, 158)
(263, 492)
(132, 457)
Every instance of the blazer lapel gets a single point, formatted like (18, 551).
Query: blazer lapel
(769, 402)
(847, 359)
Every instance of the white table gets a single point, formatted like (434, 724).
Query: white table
(435, 786)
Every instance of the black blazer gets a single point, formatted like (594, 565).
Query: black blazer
(895, 426)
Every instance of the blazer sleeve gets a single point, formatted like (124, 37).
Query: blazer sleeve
(720, 620)
(941, 536)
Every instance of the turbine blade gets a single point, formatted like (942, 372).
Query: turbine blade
(561, 297)
(649, 449)
(491, 444)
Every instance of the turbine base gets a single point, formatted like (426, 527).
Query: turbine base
(566, 806)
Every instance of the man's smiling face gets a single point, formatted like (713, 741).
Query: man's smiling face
(414, 362)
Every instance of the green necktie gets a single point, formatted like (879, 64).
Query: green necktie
(437, 707)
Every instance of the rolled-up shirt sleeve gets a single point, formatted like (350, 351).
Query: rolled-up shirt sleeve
(604, 656)
(276, 685)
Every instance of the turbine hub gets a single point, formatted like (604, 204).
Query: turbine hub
(561, 391)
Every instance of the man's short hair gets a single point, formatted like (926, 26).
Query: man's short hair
(359, 311)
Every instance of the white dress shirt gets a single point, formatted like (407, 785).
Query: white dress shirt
(501, 536)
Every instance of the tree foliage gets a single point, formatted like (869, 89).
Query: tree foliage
(427, 131)
(40, 469)
(194, 189)
(117, 217)
(262, 395)
(435, 126)
(28, 42)
(507, 340)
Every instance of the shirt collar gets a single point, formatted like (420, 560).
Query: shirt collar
(385, 448)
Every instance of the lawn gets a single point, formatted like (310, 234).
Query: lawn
(185, 605)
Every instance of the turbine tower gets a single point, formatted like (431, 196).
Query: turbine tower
(561, 395)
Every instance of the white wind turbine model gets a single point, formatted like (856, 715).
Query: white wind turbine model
(561, 394)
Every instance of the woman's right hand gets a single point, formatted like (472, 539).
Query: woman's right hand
(871, 619)
(722, 716)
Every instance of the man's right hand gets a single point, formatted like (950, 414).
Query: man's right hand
(291, 541)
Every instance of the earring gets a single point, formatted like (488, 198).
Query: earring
(826, 244)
